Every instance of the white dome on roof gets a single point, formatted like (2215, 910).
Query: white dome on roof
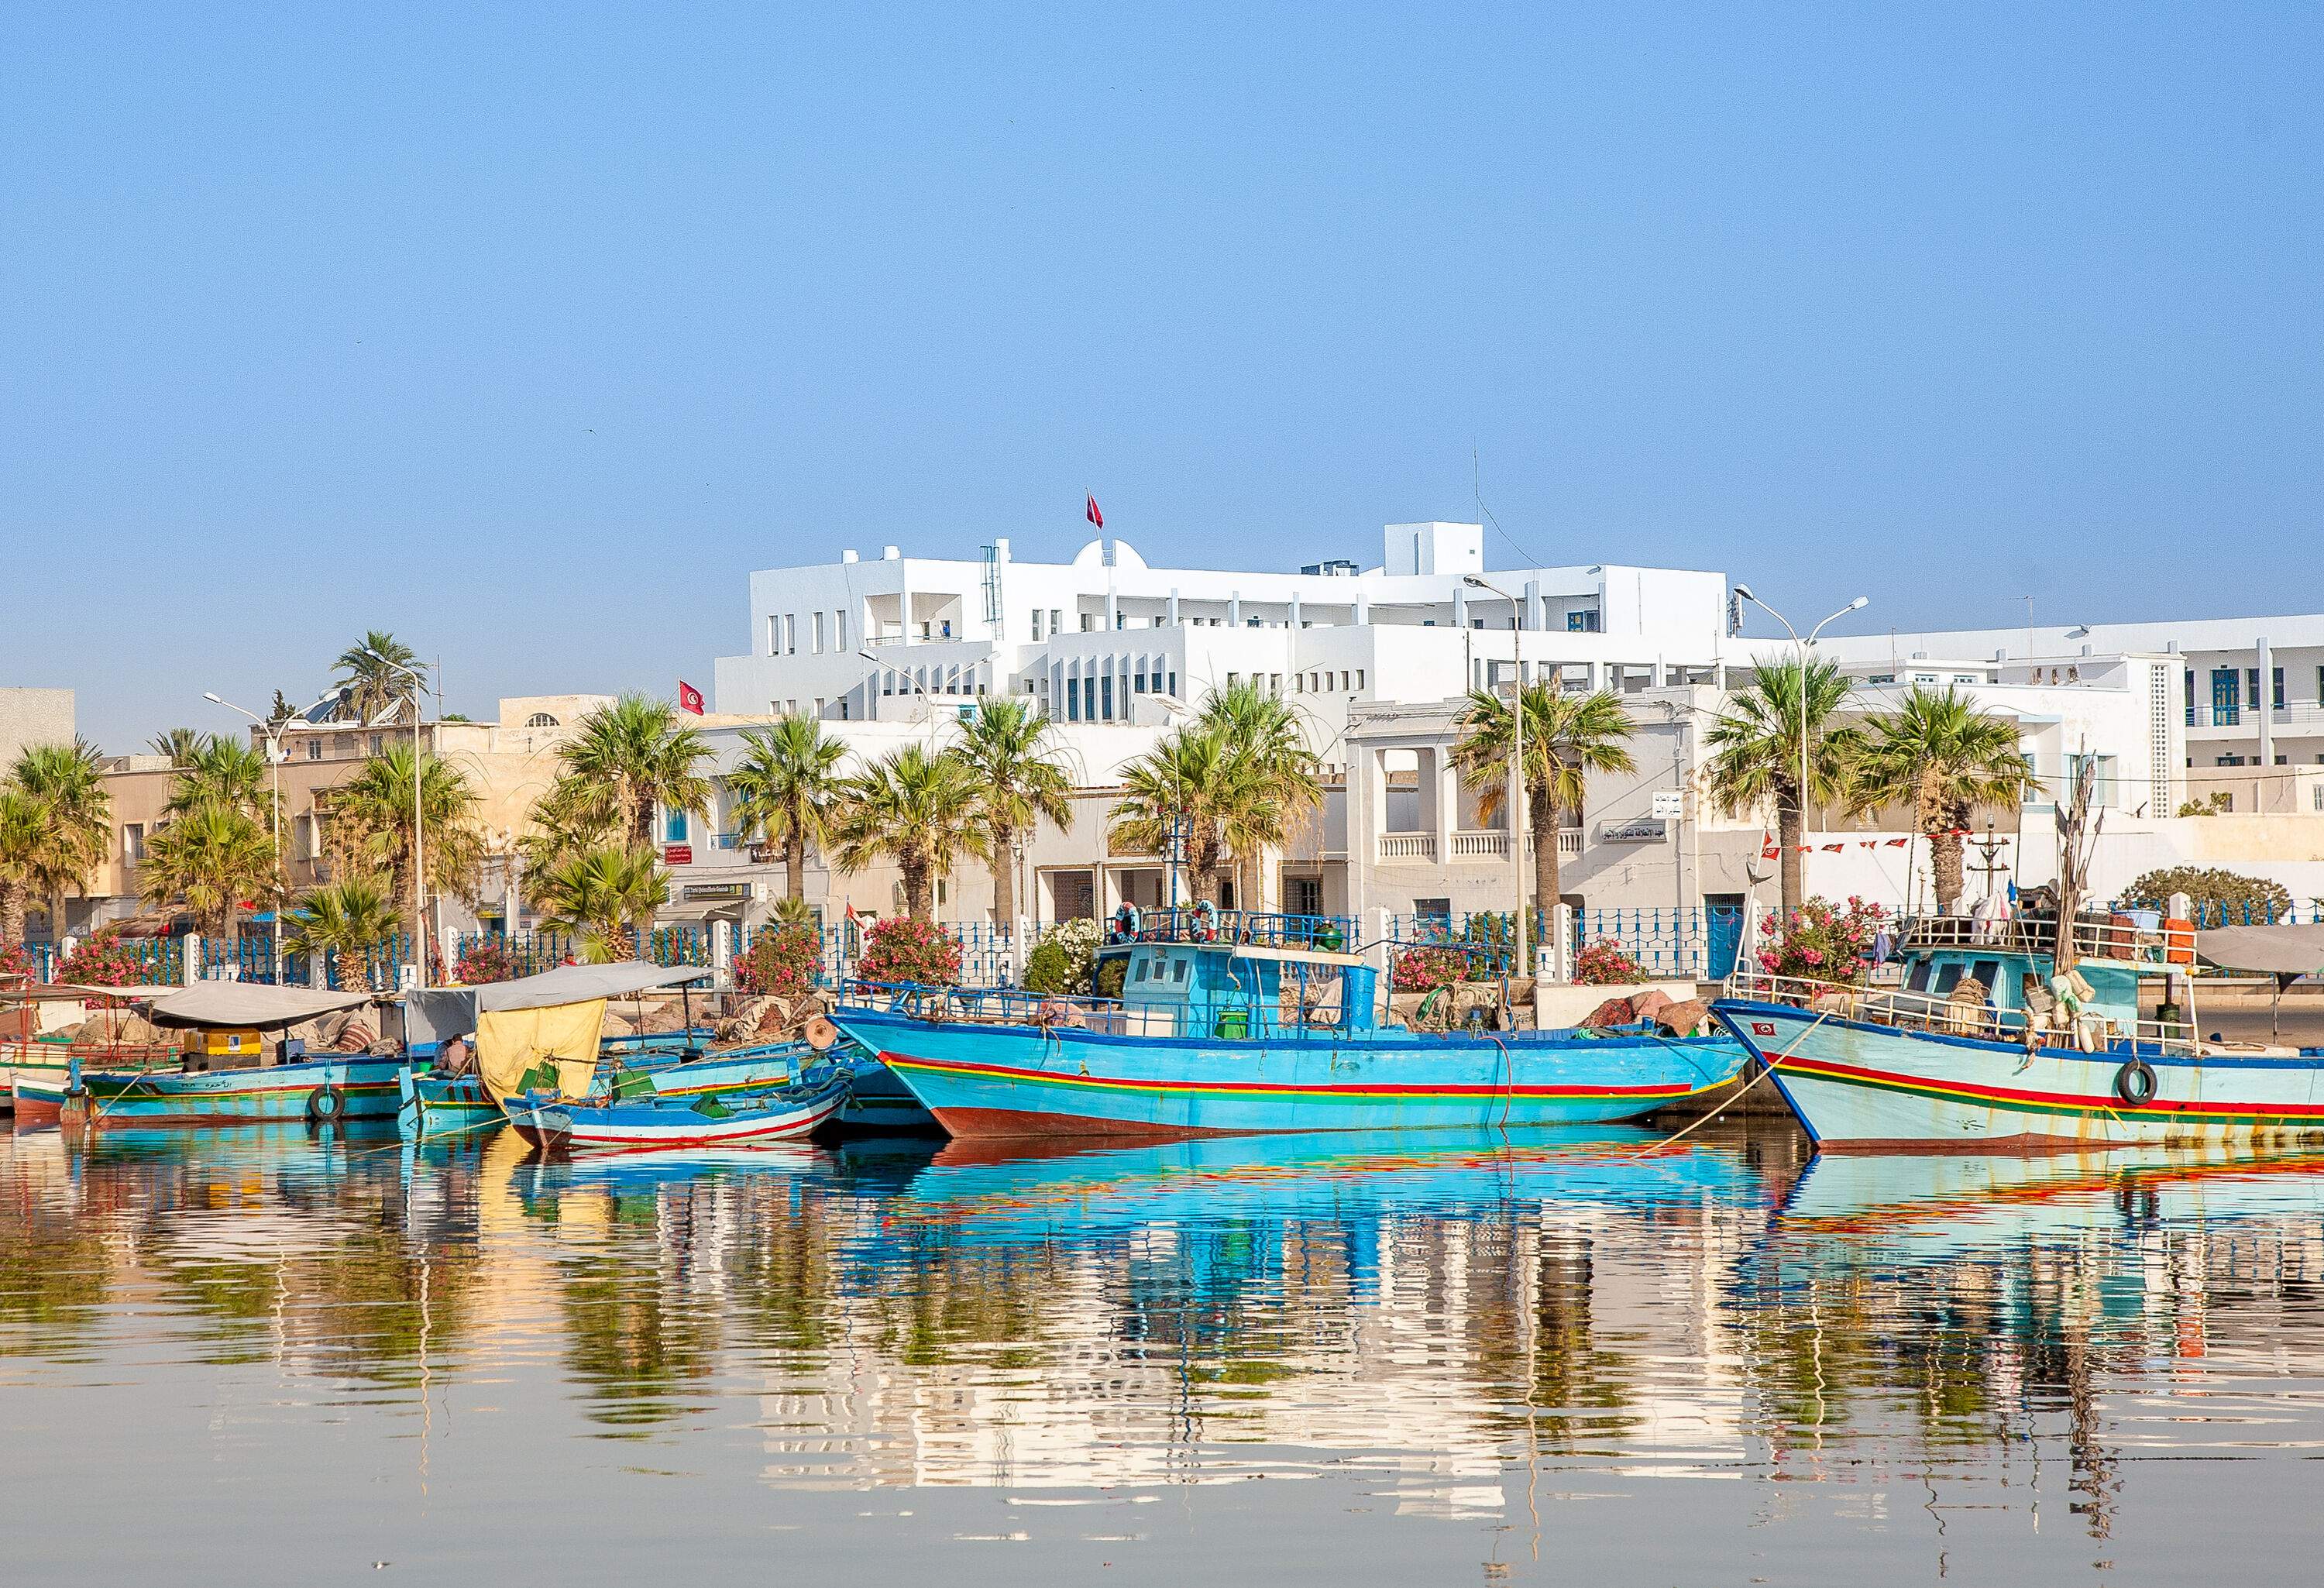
(1105, 553)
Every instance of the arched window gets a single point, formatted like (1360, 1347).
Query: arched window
(540, 719)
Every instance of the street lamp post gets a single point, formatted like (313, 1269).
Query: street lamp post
(1856, 606)
(418, 848)
(1517, 825)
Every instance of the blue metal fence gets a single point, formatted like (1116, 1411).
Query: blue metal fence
(1666, 942)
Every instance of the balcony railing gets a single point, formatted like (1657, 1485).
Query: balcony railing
(1407, 847)
(2292, 716)
(1479, 844)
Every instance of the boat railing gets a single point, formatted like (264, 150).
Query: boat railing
(2111, 936)
(1958, 1017)
(1250, 1016)
(1249, 927)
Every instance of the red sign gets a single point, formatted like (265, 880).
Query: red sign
(1763, 1028)
(678, 855)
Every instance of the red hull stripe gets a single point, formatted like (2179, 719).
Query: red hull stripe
(993, 1071)
(1822, 1069)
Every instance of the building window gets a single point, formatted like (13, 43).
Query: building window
(1275, 683)
(302, 838)
(540, 719)
(315, 748)
(1105, 698)
(774, 635)
(814, 638)
(673, 826)
(132, 842)
(1037, 624)
(1089, 622)
(1173, 683)
(1584, 622)
(1360, 678)
(379, 743)
(839, 629)
(1056, 622)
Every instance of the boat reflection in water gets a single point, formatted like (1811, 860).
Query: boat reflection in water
(1641, 1356)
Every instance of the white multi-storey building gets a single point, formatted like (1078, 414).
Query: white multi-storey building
(1107, 639)
(2251, 690)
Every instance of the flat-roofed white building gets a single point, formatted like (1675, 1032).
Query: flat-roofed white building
(1099, 639)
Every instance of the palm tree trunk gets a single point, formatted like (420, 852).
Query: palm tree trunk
(1004, 875)
(1788, 839)
(1546, 885)
(916, 889)
(12, 912)
(1945, 867)
(795, 864)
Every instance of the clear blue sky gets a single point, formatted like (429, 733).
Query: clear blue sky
(525, 334)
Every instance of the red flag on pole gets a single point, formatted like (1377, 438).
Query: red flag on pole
(689, 699)
(1767, 850)
(1092, 514)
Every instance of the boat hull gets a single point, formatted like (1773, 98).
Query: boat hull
(1020, 1081)
(366, 1089)
(39, 1095)
(1861, 1088)
(646, 1126)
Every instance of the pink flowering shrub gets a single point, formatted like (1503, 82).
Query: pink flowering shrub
(782, 962)
(901, 949)
(1820, 941)
(1425, 968)
(1606, 963)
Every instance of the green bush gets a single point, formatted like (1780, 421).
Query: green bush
(2213, 890)
(1051, 969)
(1063, 958)
(1110, 976)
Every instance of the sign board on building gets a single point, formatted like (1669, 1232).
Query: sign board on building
(678, 855)
(1638, 829)
(1670, 805)
(716, 890)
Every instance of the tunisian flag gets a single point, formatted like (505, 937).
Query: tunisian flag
(1092, 514)
(689, 699)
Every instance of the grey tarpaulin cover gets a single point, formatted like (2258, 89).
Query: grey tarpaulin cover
(2286, 951)
(249, 1003)
(577, 983)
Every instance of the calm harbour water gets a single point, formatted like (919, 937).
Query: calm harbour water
(263, 1356)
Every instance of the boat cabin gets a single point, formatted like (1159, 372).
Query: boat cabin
(1988, 978)
(1237, 990)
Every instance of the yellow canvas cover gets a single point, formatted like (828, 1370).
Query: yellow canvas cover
(510, 1042)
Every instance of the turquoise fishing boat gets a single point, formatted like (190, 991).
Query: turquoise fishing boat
(1996, 1041)
(1245, 1025)
(236, 1068)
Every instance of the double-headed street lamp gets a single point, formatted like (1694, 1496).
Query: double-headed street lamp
(1856, 606)
(1517, 801)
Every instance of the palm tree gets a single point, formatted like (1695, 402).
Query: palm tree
(1190, 783)
(215, 857)
(373, 684)
(349, 919)
(1942, 756)
(1008, 748)
(1754, 749)
(632, 755)
(220, 769)
(602, 897)
(1567, 738)
(371, 817)
(68, 783)
(568, 820)
(785, 787)
(23, 837)
(915, 810)
(1280, 779)
(178, 743)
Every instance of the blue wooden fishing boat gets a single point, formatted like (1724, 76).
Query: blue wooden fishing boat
(233, 1071)
(434, 1105)
(1988, 1043)
(642, 1123)
(1240, 1025)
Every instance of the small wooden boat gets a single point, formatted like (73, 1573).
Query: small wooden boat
(44, 1059)
(231, 1071)
(642, 1123)
(435, 1104)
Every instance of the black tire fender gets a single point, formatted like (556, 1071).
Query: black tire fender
(325, 1103)
(2135, 1082)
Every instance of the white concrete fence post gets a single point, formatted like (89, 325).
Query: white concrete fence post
(721, 953)
(189, 969)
